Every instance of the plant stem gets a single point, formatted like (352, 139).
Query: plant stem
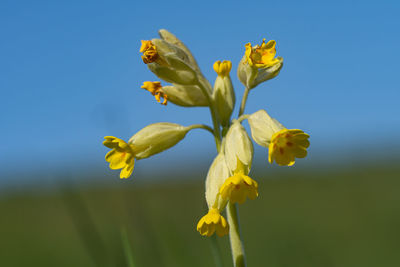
(239, 258)
(217, 131)
(202, 126)
(244, 100)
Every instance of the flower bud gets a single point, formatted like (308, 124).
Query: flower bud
(246, 73)
(268, 73)
(217, 174)
(156, 138)
(223, 94)
(171, 75)
(186, 96)
(172, 39)
(263, 127)
(168, 62)
(238, 146)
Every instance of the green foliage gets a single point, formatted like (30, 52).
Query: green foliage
(324, 218)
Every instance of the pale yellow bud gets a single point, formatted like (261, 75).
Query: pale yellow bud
(223, 94)
(246, 73)
(186, 96)
(238, 146)
(268, 73)
(156, 138)
(217, 174)
(172, 75)
(263, 127)
(172, 39)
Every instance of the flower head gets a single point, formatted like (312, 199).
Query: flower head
(121, 156)
(155, 89)
(149, 51)
(213, 222)
(262, 56)
(222, 68)
(237, 187)
(286, 145)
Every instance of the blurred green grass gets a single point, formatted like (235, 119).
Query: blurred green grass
(334, 217)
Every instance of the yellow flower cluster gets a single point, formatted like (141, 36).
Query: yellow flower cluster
(228, 181)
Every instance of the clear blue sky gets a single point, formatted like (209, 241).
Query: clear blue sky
(70, 73)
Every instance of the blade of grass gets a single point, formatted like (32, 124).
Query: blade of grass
(127, 248)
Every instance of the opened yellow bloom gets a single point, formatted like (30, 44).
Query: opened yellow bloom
(121, 156)
(286, 145)
(213, 222)
(149, 52)
(155, 89)
(237, 187)
(262, 56)
(222, 68)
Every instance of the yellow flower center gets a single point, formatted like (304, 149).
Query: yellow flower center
(122, 155)
(286, 145)
(149, 52)
(155, 89)
(262, 56)
(222, 68)
(212, 223)
(237, 187)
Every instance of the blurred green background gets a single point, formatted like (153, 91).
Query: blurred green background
(303, 217)
(70, 74)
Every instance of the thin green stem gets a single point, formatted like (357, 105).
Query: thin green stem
(244, 100)
(202, 126)
(243, 117)
(217, 131)
(239, 259)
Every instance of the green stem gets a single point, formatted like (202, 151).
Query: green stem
(217, 131)
(202, 126)
(244, 100)
(239, 259)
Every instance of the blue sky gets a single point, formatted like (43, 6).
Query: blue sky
(70, 73)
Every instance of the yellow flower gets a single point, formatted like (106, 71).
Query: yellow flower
(262, 56)
(222, 68)
(286, 145)
(213, 222)
(149, 51)
(155, 89)
(237, 187)
(121, 156)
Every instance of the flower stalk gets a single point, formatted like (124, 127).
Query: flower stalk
(244, 101)
(237, 249)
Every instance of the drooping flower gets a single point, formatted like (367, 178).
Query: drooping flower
(149, 51)
(213, 222)
(286, 145)
(261, 56)
(155, 89)
(237, 187)
(121, 155)
(149, 141)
